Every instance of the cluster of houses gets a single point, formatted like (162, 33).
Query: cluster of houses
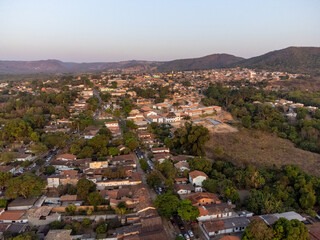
(290, 107)
(143, 222)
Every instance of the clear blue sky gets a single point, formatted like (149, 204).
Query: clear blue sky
(113, 30)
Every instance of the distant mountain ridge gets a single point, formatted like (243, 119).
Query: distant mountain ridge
(292, 59)
(56, 66)
(207, 62)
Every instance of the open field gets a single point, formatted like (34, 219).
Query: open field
(262, 149)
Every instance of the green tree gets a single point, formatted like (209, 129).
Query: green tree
(154, 179)
(71, 209)
(116, 113)
(179, 238)
(26, 236)
(191, 139)
(113, 151)
(105, 97)
(49, 170)
(102, 228)
(167, 204)
(56, 225)
(4, 178)
(132, 143)
(211, 185)
(187, 211)
(232, 194)
(86, 222)
(246, 121)
(28, 185)
(84, 187)
(75, 149)
(35, 136)
(105, 131)
(38, 148)
(257, 230)
(131, 125)
(168, 142)
(3, 203)
(167, 169)
(86, 152)
(201, 164)
(302, 113)
(144, 165)
(98, 142)
(308, 198)
(95, 198)
(294, 229)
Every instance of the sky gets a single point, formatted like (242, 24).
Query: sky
(116, 30)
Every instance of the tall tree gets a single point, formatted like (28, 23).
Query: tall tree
(167, 204)
(28, 185)
(257, 230)
(191, 139)
(84, 187)
(187, 211)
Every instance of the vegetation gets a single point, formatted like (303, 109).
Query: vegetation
(144, 165)
(84, 187)
(49, 170)
(187, 211)
(28, 185)
(154, 179)
(169, 205)
(291, 59)
(200, 164)
(191, 139)
(272, 189)
(304, 133)
(281, 229)
(95, 198)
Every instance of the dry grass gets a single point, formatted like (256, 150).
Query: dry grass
(262, 149)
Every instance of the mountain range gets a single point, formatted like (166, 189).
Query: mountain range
(291, 59)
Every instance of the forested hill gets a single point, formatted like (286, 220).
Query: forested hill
(207, 62)
(291, 59)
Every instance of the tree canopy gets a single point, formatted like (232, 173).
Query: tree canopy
(191, 139)
(28, 185)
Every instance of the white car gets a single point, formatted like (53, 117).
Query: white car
(191, 233)
(186, 236)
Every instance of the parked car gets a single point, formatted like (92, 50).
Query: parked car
(186, 236)
(190, 233)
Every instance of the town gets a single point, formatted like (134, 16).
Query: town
(122, 156)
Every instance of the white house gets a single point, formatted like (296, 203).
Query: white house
(197, 177)
(112, 124)
(160, 150)
(171, 117)
(183, 188)
(13, 216)
(224, 226)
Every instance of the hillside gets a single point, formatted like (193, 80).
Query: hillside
(262, 149)
(291, 59)
(207, 62)
(56, 66)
